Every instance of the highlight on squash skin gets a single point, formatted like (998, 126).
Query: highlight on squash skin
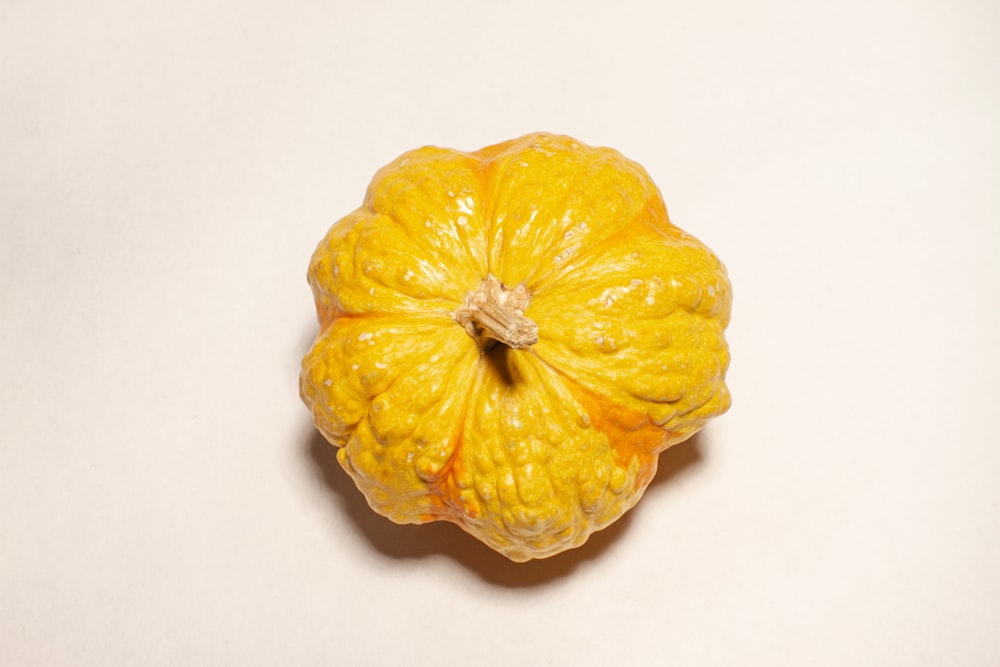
(509, 338)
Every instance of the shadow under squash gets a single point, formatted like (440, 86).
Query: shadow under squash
(446, 539)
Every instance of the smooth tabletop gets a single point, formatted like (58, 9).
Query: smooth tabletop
(166, 170)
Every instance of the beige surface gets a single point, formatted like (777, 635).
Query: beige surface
(166, 169)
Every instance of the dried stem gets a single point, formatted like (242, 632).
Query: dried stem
(496, 314)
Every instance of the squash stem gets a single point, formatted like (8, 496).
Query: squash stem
(495, 313)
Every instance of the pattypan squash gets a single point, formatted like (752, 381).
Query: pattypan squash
(510, 337)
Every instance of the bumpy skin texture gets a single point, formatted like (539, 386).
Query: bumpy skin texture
(530, 450)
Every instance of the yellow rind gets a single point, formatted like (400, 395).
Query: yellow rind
(528, 450)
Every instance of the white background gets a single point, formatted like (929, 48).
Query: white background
(166, 170)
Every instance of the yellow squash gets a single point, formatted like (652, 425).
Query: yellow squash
(509, 338)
